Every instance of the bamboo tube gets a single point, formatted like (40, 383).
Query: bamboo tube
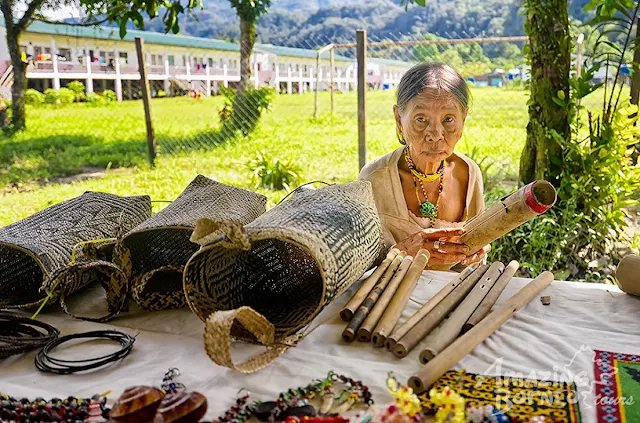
(436, 341)
(628, 275)
(349, 332)
(426, 308)
(400, 298)
(506, 215)
(435, 316)
(462, 346)
(364, 333)
(356, 301)
(485, 306)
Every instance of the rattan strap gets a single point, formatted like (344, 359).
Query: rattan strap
(217, 339)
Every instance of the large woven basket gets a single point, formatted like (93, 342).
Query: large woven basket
(265, 281)
(43, 253)
(153, 254)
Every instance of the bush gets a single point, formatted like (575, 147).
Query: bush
(95, 99)
(33, 97)
(162, 93)
(51, 96)
(110, 96)
(66, 96)
(78, 89)
(242, 113)
(273, 173)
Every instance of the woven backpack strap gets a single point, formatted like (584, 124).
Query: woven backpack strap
(217, 339)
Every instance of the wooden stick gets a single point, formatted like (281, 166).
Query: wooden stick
(436, 341)
(426, 308)
(462, 346)
(400, 298)
(356, 301)
(349, 332)
(485, 306)
(364, 333)
(509, 213)
(435, 316)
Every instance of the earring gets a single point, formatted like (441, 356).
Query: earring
(401, 139)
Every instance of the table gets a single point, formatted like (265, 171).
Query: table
(538, 341)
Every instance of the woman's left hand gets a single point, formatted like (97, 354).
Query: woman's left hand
(478, 256)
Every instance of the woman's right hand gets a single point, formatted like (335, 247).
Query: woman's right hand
(442, 244)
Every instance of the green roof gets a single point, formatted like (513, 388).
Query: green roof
(109, 33)
(299, 52)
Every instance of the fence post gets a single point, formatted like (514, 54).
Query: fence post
(579, 42)
(635, 75)
(146, 99)
(332, 64)
(361, 53)
(315, 104)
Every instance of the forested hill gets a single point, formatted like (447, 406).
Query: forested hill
(309, 23)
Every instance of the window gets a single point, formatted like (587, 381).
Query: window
(297, 68)
(282, 67)
(124, 58)
(154, 60)
(273, 67)
(37, 51)
(64, 54)
(171, 59)
(305, 68)
(211, 63)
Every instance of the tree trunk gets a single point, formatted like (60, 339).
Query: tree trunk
(247, 41)
(19, 67)
(549, 52)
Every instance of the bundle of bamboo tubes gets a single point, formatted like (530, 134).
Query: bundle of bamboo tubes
(376, 307)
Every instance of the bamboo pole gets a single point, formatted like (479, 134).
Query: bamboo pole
(521, 38)
(400, 298)
(333, 65)
(315, 102)
(509, 213)
(437, 315)
(364, 333)
(462, 346)
(146, 100)
(349, 332)
(356, 301)
(426, 308)
(361, 53)
(436, 341)
(485, 306)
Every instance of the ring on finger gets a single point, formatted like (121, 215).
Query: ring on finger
(437, 244)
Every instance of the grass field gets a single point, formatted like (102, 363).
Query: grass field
(64, 141)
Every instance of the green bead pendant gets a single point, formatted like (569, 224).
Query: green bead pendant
(427, 209)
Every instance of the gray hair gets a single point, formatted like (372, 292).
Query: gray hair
(434, 75)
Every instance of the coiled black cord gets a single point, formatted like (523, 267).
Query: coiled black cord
(45, 363)
(19, 334)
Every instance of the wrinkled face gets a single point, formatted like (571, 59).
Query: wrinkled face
(432, 124)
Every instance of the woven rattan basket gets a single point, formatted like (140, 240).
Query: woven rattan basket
(153, 254)
(43, 253)
(265, 281)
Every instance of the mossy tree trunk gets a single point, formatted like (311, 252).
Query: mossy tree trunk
(547, 26)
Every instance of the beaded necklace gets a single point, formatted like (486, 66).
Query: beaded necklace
(427, 208)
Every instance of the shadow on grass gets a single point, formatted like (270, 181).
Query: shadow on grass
(44, 158)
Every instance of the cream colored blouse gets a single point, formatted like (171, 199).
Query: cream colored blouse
(398, 222)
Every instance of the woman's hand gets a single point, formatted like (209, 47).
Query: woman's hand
(478, 256)
(442, 244)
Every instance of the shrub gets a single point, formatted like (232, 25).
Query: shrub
(66, 96)
(242, 113)
(33, 97)
(162, 93)
(78, 89)
(51, 96)
(110, 96)
(273, 173)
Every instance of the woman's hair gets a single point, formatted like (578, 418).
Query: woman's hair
(434, 75)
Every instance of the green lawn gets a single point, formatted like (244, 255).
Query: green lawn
(64, 141)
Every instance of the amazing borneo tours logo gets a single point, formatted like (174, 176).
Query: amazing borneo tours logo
(560, 388)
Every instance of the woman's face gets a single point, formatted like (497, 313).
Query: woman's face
(432, 124)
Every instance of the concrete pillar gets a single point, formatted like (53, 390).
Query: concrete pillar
(54, 59)
(118, 79)
(87, 59)
(167, 75)
(300, 81)
(289, 83)
(207, 76)
(225, 79)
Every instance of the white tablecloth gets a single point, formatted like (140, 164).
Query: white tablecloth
(539, 341)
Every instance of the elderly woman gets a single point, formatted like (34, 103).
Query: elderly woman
(424, 190)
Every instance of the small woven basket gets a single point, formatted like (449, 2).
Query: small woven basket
(44, 253)
(153, 254)
(264, 281)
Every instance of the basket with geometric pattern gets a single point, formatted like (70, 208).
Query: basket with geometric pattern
(153, 254)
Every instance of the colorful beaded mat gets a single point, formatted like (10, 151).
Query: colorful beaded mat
(617, 382)
(521, 398)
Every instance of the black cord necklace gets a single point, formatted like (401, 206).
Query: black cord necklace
(45, 363)
(19, 334)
